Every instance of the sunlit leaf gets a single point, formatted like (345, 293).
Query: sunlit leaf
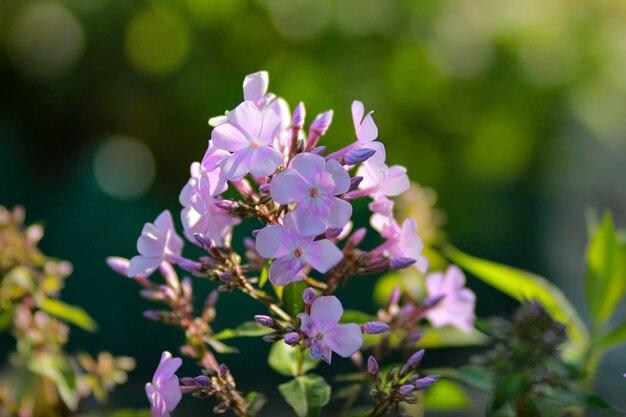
(450, 336)
(306, 394)
(72, 314)
(292, 297)
(264, 274)
(523, 285)
(613, 338)
(246, 329)
(57, 369)
(445, 395)
(284, 359)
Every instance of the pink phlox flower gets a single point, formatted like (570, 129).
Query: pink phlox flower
(164, 390)
(201, 215)
(249, 135)
(457, 306)
(211, 180)
(365, 128)
(382, 212)
(313, 183)
(380, 179)
(404, 242)
(158, 240)
(292, 251)
(325, 333)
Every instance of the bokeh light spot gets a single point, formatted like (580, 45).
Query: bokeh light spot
(157, 41)
(44, 40)
(300, 19)
(124, 167)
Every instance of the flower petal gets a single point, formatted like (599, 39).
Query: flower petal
(170, 393)
(269, 127)
(285, 270)
(326, 309)
(167, 368)
(341, 178)
(310, 166)
(307, 217)
(339, 214)
(288, 187)
(246, 117)
(349, 339)
(255, 86)
(357, 114)
(269, 241)
(395, 181)
(142, 265)
(264, 161)
(368, 130)
(227, 137)
(237, 165)
(322, 255)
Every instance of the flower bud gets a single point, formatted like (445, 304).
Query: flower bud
(292, 338)
(224, 371)
(374, 327)
(271, 338)
(358, 156)
(203, 381)
(205, 242)
(355, 182)
(299, 113)
(406, 389)
(264, 189)
(357, 237)
(332, 232)
(394, 297)
(191, 266)
(401, 263)
(319, 127)
(227, 205)
(426, 382)
(118, 264)
(320, 150)
(431, 302)
(153, 315)
(255, 233)
(266, 321)
(211, 300)
(416, 358)
(309, 296)
(372, 365)
(225, 276)
(414, 336)
(187, 381)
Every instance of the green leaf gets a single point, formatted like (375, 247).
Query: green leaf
(445, 395)
(284, 359)
(254, 402)
(220, 347)
(265, 274)
(449, 336)
(292, 297)
(57, 369)
(523, 285)
(355, 316)
(69, 313)
(306, 394)
(613, 338)
(247, 329)
(129, 413)
(605, 281)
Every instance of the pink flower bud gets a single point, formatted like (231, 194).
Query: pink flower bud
(375, 327)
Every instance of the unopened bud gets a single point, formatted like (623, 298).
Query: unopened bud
(191, 266)
(416, 358)
(357, 237)
(406, 389)
(414, 336)
(297, 119)
(153, 315)
(255, 233)
(225, 276)
(227, 205)
(224, 371)
(394, 297)
(332, 232)
(319, 127)
(264, 189)
(271, 338)
(292, 338)
(205, 242)
(308, 295)
(431, 302)
(211, 300)
(426, 382)
(375, 327)
(118, 264)
(358, 156)
(265, 321)
(401, 263)
(372, 365)
(355, 182)
(319, 150)
(203, 381)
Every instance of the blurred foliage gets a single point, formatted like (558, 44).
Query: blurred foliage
(41, 379)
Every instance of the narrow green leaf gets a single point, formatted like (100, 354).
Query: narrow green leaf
(265, 275)
(69, 313)
(306, 394)
(523, 285)
(613, 338)
(292, 297)
(246, 329)
(220, 347)
(284, 359)
(57, 369)
(605, 280)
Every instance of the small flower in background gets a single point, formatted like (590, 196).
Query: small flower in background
(249, 135)
(156, 243)
(164, 390)
(365, 128)
(325, 333)
(314, 183)
(292, 252)
(404, 242)
(380, 179)
(456, 308)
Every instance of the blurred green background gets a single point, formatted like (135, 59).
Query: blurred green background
(513, 110)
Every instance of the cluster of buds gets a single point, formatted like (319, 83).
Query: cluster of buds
(399, 385)
(219, 383)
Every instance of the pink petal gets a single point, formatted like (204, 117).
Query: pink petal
(227, 137)
(255, 86)
(170, 393)
(310, 166)
(307, 217)
(269, 241)
(164, 221)
(167, 368)
(435, 284)
(357, 114)
(211, 184)
(349, 339)
(213, 157)
(326, 309)
(340, 212)
(368, 131)
(341, 178)
(322, 255)
(264, 161)
(288, 187)
(454, 279)
(395, 181)
(237, 165)
(193, 222)
(285, 270)
(281, 108)
(141, 265)
(248, 118)
(269, 127)
(150, 245)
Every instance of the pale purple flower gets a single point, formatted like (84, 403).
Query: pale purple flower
(201, 214)
(325, 333)
(255, 87)
(380, 179)
(457, 306)
(157, 242)
(404, 242)
(314, 183)
(365, 128)
(249, 134)
(293, 251)
(210, 178)
(164, 390)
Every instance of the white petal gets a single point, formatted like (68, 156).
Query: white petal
(264, 161)
(246, 117)
(229, 138)
(340, 177)
(255, 86)
(349, 339)
(288, 187)
(326, 309)
(237, 165)
(142, 265)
